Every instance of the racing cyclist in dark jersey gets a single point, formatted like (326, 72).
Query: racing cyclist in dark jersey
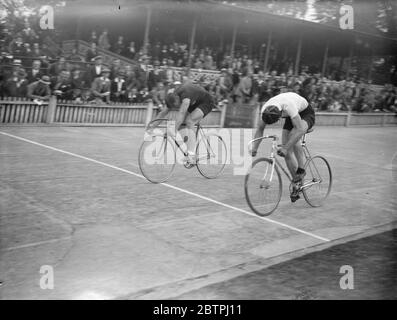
(193, 104)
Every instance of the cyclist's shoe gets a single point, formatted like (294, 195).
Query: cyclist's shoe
(294, 196)
(189, 161)
(299, 177)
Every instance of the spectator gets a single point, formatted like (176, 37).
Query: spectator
(101, 87)
(92, 52)
(17, 47)
(103, 41)
(95, 71)
(16, 85)
(62, 87)
(78, 84)
(115, 68)
(118, 88)
(119, 46)
(56, 68)
(130, 53)
(35, 73)
(40, 90)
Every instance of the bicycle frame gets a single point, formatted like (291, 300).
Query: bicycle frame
(199, 132)
(275, 160)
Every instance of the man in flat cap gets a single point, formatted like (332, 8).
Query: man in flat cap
(100, 88)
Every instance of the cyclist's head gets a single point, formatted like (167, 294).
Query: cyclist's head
(271, 114)
(171, 100)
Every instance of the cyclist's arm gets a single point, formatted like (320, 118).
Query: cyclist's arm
(300, 128)
(258, 134)
(161, 114)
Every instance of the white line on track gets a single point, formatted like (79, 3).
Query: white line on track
(170, 186)
(34, 244)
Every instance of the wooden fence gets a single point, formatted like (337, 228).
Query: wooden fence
(21, 111)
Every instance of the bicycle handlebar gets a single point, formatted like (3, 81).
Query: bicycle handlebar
(273, 137)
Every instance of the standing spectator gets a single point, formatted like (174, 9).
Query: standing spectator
(95, 71)
(28, 34)
(119, 45)
(94, 37)
(245, 87)
(36, 52)
(131, 51)
(101, 87)
(155, 75)
(56, 68)
(103, 41)
(118, 88)
(92, 52)
(40, 90)
(35, 73)
(115, 68)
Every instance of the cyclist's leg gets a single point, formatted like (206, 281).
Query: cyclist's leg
(289, 157)
(191, 120)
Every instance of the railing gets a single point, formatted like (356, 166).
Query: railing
(247, 116)
(22, 111)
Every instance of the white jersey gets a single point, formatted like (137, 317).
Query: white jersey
(289, 103)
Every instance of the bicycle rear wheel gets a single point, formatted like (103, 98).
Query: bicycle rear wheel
(211, 156)
(263, 187)
(317, 182)
(157, 158)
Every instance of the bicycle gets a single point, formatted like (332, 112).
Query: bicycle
(159, 155)
(264, 175)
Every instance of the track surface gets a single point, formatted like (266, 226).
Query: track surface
(73, 198)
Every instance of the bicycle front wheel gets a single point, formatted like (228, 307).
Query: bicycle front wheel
(263, 187)
(157, 158)
(211, 156)
(317, 182)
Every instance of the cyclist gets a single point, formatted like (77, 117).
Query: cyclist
(193, 104)
(300, 118)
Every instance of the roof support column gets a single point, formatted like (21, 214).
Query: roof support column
(233, 40)
(349, 62)
(147, 29)
(192, 39)
(325, 60)
(267, 54)
(298, 54)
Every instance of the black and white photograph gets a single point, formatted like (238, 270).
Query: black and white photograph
(198, 154)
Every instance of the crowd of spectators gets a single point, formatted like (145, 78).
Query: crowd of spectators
(28, 68)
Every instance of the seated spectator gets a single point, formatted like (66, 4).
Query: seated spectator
(118, 88)
(17, 47)
(62, 86)
(158, 94)
(35, 73)
(16, 85)
(78, 85)
(100, 87)
(40, 90)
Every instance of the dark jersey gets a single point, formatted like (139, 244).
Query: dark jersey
(196, 94)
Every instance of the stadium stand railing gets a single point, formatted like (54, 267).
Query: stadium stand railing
(61, 112)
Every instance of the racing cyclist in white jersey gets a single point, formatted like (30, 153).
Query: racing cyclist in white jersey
(299, 118)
